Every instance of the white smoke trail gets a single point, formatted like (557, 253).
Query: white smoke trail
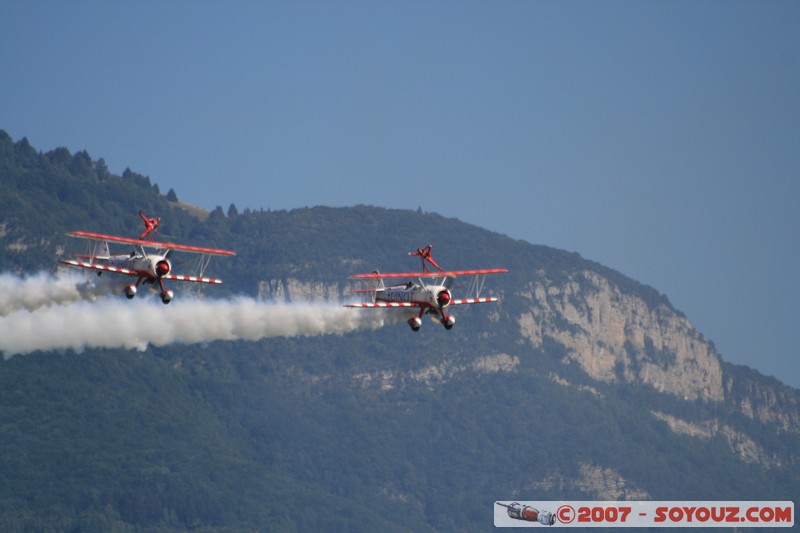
(118, 323)
(55, 312)
(42, 290)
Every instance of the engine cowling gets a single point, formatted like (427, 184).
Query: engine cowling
(443, 298)
(162, 268)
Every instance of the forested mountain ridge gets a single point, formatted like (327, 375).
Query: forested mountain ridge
(580, 383)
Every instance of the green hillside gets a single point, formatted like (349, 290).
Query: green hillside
(373, 430)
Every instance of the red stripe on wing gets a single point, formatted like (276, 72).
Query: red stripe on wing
(473, 301)
(195, 279)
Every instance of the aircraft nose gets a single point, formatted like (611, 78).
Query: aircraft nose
(443, 298)
(162, 268)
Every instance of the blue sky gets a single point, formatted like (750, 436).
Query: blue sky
(658, 138)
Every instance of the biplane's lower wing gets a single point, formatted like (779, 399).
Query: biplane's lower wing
(366, 305)
(439, 274)
(128, 272)
(194, 279)
(463, 301)
(99, 267)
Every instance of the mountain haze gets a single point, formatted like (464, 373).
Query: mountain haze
(580, 383)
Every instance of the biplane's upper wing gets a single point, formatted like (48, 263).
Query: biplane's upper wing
(449, 273)
(101, 267)
(149, 244)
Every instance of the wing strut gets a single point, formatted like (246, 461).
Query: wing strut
(201, 265)
(476, 285)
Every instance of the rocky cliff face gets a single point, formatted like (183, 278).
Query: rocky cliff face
(766, 401)
(740, 444)
(617, 337)
(603, 483)
(295, 290)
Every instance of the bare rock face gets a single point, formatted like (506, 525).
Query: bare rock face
(435, 375)
(769, 402)
(295, 290)
(596, 481)
(740, 444)
(615, 336)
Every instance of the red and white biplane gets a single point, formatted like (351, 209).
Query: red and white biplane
(430, 298)
(148, 267)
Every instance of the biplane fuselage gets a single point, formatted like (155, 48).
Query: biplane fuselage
(434, 295)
